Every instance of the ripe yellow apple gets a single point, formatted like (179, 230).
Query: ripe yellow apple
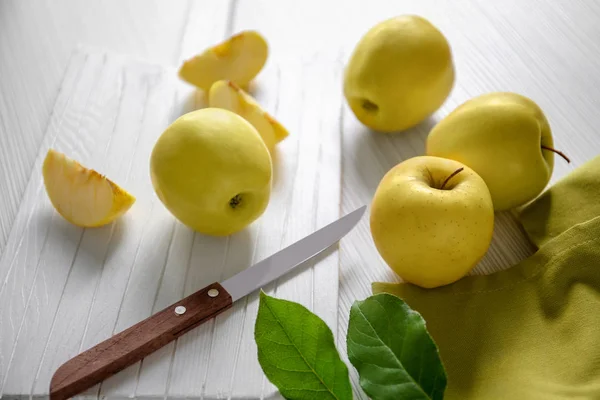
(239, 59)
(212, 171)
(399, 73)
(81, 195)
(505, 138)
(431, 220)
(226, 94)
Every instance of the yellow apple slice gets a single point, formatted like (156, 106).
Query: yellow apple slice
(81, 195)
(227, 95)
(238, 59)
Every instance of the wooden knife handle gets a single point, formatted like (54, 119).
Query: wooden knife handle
(133, 344)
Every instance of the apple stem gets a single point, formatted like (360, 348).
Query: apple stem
(450, 177)
(560, 153)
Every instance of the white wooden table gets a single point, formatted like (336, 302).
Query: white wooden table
(54, 303)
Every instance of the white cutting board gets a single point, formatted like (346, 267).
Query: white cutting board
(64, 289)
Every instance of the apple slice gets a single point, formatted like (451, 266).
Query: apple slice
(239, 59)
(226, 94)
(81, 195)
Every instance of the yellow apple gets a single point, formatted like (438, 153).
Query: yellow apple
(81, 195)
(431, 220)
(505, 138)
(212, 171)
(226, 94)
(399, 73)
(239, 59)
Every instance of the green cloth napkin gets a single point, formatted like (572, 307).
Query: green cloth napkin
(532, 331)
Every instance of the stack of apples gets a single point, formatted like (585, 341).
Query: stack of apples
(432, 216)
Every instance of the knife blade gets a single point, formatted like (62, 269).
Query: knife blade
(136, 342)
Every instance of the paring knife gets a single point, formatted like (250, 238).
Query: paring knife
(133, 344)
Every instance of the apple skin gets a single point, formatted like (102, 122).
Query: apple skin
(399, 73)
(428, 236)
(212, 171)
(226, 94)
(499, 135)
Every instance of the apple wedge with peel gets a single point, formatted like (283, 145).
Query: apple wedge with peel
(81, 195)
(227, 95)
(238, 59)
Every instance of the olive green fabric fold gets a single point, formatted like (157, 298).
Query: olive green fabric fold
(572, 200)
(533, 330)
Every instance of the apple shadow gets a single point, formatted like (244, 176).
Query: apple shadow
(237, 257)
(97, 242)
(239, 253)
(195, 99)
(253, 89)
(509, 246)
(277, 167)
(371, 154)
(59, 229)
(381, 273)
(397, 146)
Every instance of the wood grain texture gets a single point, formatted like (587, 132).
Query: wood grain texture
(36, 42)
(101, 281)
(545, 50)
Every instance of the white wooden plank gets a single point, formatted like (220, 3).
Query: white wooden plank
(34, 187)
(225, 352)
(57, 259)
(36, 42)
(328, 195)
(313, 112)
(190, 363)
(298, 222)
(147, 104)
(120, 145)
(206, 24)
(156, 368)
(246, 381)
(23, 262)
(225, 341)
(72, 315)
(153, 372)
(150, 258)
(66, 339)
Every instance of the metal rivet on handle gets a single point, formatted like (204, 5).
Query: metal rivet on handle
(213, 292)
(180, 310)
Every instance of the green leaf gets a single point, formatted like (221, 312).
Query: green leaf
(392, 351)
(297, 353)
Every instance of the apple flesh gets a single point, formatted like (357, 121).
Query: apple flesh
(239, 59)
(431, 220)
(81, 195)
(227, 95)
(505, 138)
